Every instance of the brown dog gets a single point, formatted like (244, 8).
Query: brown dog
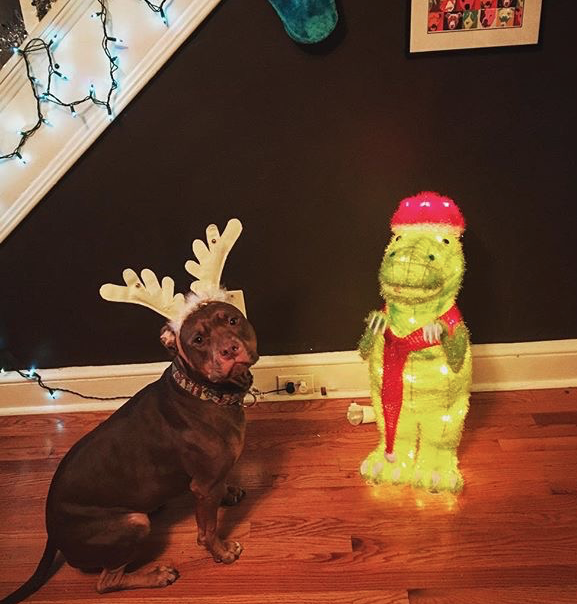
(184, 431)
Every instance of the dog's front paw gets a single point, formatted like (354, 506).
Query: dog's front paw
(226, 552)
(222, 551)
(233, 496)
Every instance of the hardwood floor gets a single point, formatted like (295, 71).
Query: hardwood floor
(314, 532)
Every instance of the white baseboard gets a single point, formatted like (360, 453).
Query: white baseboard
(496, 367)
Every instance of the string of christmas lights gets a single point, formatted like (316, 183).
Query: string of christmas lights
(32, 374)
(54, 391)
(9, 363)
(38, 45)
(158, 8)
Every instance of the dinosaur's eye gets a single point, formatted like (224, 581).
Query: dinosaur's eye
(397, 238)
(431, 257)
(446, 241)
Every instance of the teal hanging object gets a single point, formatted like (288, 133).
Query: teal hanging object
(307, 21)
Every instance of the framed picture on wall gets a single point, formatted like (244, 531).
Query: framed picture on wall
(17, 19)
(458, 24)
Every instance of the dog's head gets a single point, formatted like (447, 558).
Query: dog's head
(215, 343)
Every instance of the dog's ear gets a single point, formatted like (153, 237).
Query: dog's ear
(168, 339)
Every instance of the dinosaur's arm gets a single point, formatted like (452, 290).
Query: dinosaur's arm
(455, 345)
(376, 322)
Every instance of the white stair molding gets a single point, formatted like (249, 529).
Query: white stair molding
(496, 367)
(55, 148)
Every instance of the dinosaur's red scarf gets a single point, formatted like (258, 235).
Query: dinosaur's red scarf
(395, 356)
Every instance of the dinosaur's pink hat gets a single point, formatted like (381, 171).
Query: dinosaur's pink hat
(428, 208)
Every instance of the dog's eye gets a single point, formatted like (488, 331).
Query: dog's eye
(233, 321)
(198, 340)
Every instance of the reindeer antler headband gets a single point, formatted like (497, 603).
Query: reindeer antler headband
(160, 297)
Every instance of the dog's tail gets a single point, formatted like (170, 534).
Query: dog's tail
(37, 580)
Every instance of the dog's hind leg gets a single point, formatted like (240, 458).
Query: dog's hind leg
(128, 532)
(117, 579)
(111, 542)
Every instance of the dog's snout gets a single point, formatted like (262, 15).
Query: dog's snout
(230, 350)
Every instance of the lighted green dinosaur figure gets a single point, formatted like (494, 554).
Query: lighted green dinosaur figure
(418, 349)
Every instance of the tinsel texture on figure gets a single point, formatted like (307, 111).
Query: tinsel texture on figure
(418, 349)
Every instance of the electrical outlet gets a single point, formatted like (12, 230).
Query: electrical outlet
(304, 383)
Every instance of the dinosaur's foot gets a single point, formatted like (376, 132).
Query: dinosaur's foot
(380, 468)
(438, 479)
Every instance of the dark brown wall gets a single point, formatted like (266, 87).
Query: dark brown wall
(312, 149)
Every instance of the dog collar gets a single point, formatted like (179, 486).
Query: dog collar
(205, 393)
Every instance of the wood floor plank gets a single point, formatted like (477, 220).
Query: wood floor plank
(552, 443)
(517, 595)
(556, 419)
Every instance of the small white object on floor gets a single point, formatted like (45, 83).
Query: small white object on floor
(360, 414)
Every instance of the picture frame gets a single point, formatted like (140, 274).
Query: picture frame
(438, 25)
(18, 18)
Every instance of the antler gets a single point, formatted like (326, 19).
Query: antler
(211, 259)
(146, 292)
(161, 298)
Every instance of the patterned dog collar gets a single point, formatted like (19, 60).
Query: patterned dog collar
(205, 393)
